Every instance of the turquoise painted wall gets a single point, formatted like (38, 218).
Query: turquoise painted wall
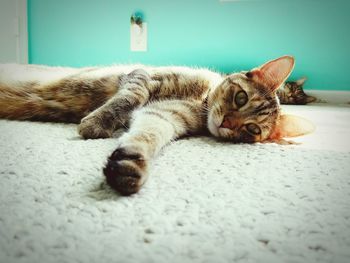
(223, 36)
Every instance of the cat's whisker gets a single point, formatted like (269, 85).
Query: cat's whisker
(122, 123)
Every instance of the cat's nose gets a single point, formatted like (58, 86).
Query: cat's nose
(231, 121)
(226, 123)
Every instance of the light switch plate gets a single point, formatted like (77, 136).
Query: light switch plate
(138, 37)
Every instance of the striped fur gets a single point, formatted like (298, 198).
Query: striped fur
(155, 105)
(292, 93)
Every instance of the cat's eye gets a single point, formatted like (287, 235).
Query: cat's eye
(241, 98)
(253, 129)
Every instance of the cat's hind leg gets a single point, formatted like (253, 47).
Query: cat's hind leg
(115, 113)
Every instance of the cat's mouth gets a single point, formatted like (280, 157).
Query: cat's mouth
(217, 127)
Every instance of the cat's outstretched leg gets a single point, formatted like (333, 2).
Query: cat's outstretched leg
(151, 128)
(115, 113)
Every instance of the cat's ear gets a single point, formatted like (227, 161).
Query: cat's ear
(300, 82)
(291, 126)
(272, 74)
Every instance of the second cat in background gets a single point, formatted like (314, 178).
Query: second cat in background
(291, 92)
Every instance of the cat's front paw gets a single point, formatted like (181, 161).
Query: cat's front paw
(93, 127)
(126, 171)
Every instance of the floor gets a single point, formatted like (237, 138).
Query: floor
(332, 126)
(205, 201)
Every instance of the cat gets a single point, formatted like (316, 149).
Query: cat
(291, 92)
(155, 105)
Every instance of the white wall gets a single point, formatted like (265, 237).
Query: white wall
(13, 31)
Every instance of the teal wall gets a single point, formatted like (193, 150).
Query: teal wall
(223, 36)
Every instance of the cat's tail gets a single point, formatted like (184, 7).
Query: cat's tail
(27, 103)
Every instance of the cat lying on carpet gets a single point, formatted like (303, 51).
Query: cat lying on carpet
(155, 104)
(291, 92)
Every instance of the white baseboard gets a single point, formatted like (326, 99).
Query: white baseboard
(332, 97)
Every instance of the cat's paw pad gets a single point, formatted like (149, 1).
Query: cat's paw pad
(93, 127)
(125, 171)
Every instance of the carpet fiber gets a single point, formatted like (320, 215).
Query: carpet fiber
(205, 201)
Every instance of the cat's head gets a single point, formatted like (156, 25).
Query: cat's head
(245, 107)
(294, 93)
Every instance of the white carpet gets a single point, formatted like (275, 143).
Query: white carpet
(205, 201)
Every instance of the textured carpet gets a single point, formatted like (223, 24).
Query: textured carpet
(205, 201)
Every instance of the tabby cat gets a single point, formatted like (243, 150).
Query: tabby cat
(155, 104)
(291, 92)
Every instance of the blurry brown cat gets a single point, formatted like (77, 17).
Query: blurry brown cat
(155, 104)
(291, 92)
